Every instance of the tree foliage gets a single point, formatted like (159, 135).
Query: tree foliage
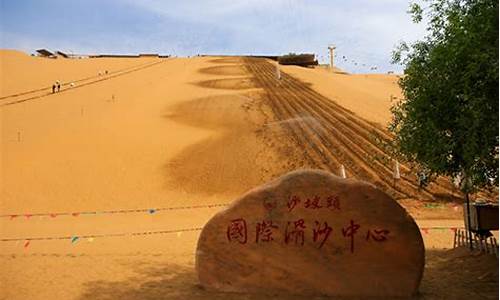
(448, 120)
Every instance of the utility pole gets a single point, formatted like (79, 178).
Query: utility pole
(331, 48)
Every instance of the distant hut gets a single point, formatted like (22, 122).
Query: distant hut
(303, 60)
(62, 54)
(113, 56)
(148, 55)
(45, 53)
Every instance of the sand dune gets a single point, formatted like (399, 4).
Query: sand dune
(367, 95)
(174, 136)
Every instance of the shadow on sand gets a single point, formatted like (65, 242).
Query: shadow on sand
(167, 282)
(449, 274)
(151, 282)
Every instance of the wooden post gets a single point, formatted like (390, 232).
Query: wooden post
(468, 219)
(486, 244)
(478, 243)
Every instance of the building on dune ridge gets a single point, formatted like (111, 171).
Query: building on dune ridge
(60, 54)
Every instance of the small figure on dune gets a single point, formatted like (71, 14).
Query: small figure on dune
(423, 179)
(53, 88)
(58, 86)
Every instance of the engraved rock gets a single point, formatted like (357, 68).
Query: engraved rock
(312, 233)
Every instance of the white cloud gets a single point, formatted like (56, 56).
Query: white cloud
(206, 11)
(363, 30)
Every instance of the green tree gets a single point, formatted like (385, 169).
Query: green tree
(447, 122)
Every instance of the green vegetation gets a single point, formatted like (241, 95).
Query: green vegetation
(447, 122)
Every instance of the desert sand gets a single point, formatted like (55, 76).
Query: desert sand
(177, 139)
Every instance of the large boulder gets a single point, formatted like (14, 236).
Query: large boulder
(312, 233)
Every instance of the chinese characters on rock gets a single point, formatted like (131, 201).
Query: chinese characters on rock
(294, 232)
(264, 231)
(297, 232)
(237, 231)
(316, 202)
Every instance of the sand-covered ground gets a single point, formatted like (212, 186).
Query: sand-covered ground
(121, 170)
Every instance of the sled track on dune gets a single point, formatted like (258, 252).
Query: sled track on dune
(45, 92)
(335, 136)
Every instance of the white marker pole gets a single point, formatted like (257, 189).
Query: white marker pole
(278, 72)
(397, 175)
(342, 171)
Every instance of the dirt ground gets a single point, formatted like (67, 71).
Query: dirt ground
(106, 184)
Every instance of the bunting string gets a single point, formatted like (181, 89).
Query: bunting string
(90, 237)
(74, 238)
(426, 229)
(119, 211)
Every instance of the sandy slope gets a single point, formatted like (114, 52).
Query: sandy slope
(178, 133)
(367, 95)
(80, 150)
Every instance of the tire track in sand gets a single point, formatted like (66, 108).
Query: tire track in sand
(351, 140)
(333, 147)
(342, 138)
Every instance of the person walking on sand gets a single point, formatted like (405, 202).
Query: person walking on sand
(53, 88)
(58, 86)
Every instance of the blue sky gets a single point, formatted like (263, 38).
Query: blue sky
(364, 31)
